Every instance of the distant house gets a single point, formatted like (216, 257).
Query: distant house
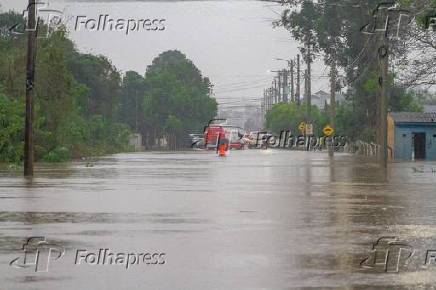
(321, 98)
(412, 136)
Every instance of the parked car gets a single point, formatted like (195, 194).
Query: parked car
(196, 141)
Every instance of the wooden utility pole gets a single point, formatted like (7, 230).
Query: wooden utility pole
(308, 86)
(305, 86)
(267, 99)
(279, 87)
(285, 86)
(265, 108)
(333, 74)
(32, 27)
(292, 81)
(383, 63)
(297, 94)
(136, 112)
(275, 91)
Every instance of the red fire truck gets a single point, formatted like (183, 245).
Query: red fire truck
(219, 127)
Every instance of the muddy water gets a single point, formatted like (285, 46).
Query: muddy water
(254, 220)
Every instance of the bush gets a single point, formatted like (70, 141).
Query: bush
(59, 154)
(11, 130)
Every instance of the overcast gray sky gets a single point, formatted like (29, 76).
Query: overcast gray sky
(231, 42)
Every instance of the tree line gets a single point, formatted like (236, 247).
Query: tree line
(84, 106)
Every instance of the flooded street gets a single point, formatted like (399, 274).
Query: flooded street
(287, 82)
(258, 219)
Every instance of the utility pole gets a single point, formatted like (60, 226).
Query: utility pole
(333, 73)
(297, 94)
(308, 86)
(383, 64)
(279, 87)
(136, 111)
(275, 91)
(264, 109)
(305, 86)
(292, 81)
(32, 27)
(285, 86)
(267, 99)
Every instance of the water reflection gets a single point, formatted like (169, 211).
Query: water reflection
(274, 218)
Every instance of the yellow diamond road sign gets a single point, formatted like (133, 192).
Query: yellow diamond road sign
(302, 127)
(328, 130)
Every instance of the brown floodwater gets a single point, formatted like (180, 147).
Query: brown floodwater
(258, 219)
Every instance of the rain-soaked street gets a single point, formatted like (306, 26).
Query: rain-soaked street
(258, 219)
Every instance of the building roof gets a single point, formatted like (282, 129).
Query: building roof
(321, 93)
(414, 117)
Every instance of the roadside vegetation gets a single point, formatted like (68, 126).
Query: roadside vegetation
(84, 106)
(331, 30)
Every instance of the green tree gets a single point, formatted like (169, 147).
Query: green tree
(103, 81)
(287, 117)
(76, 99)
(335, 27)
(131, 103)
(177, 100)
(11, 124)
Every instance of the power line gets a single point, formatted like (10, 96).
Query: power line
(240, 89)
(239, 101)
(240, 84)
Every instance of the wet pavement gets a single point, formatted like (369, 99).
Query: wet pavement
(258, 219)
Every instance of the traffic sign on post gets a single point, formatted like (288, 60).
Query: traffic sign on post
(302, 127)
(328, 131)
(309, 129)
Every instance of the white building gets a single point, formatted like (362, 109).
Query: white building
(321, 98)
